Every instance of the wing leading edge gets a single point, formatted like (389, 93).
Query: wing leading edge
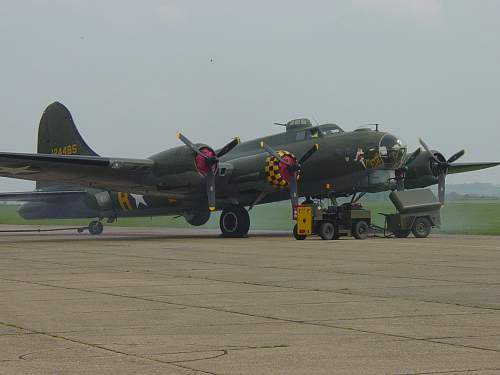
(470, 167)
(38, 196)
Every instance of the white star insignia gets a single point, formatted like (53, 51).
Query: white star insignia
(17, 171)
(139, 199)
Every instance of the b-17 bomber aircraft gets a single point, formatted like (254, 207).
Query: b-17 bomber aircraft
(194, 179)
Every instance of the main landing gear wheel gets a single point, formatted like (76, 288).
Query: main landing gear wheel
(95, 228)
(234, 222)
(421, 227)
(360, 230)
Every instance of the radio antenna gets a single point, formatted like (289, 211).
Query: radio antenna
(376, 126)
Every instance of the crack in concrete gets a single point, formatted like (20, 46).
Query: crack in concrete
(339, 291)
(448, 371)
(95, 346)
(269, 317)
(121, 255)
(417, 316)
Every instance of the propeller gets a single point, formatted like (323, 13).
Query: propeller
(207, 163)
(440, 166)
(290, 168)
(401, 172)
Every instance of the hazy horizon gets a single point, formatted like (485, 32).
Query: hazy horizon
(135, 73)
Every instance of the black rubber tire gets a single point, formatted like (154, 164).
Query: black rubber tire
(234, 221)
(421, 227)
(336, 236)
(402, 233)
(96, 228)
(298, 236)
(326, 231)
(360, 230)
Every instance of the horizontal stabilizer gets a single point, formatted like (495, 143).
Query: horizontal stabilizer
(469, 167)
(39, 196)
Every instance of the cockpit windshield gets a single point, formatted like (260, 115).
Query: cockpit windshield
(392, 151)
(330, 129)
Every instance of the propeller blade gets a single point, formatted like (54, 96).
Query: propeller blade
(442, 187)
(211, 189)
(294, 193)
(224, 150)
(190, 144)
(274, 153)
(456, 156)
(424, 145)
(361, 195)
(413, 156)
(309, 153)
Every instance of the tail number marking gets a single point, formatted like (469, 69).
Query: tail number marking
(65, 150)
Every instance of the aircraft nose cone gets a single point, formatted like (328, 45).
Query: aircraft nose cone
(392, 151)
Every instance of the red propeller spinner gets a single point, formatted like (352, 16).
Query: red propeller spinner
(289, 168)
(207, 163)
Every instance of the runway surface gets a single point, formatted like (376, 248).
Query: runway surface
(154, 301)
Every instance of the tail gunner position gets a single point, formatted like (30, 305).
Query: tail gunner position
(194, 179)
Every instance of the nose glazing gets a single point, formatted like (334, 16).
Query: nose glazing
(392, 151)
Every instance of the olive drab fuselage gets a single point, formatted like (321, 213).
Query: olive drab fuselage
(346, 162)
(193, 179)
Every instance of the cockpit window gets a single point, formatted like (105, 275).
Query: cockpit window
(318, 132)
(331, 129)
(392, 151)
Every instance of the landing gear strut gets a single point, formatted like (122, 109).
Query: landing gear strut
(234, 221)
(95, 227)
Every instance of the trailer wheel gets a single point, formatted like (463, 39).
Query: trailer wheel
(96, 228)
(297, 235)
(402, 233)
(421, 227)
(326, 231)
(360, 230)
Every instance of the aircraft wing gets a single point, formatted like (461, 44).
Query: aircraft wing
(36, 196)
(469, 167)
(130, 175)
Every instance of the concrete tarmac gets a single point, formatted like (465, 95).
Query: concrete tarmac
(163, 301)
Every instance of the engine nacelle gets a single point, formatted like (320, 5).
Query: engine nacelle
(422, 171)
(177, 167)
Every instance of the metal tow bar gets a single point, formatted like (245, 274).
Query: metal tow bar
(78, 229)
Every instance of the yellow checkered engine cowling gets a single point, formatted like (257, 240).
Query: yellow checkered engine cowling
(272, 169)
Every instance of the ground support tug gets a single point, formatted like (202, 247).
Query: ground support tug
(417, 212)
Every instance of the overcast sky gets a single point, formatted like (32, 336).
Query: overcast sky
(133, 73)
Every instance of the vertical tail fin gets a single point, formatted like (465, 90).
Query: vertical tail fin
(57, 134)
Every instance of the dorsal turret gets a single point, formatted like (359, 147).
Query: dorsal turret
(296, 124)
